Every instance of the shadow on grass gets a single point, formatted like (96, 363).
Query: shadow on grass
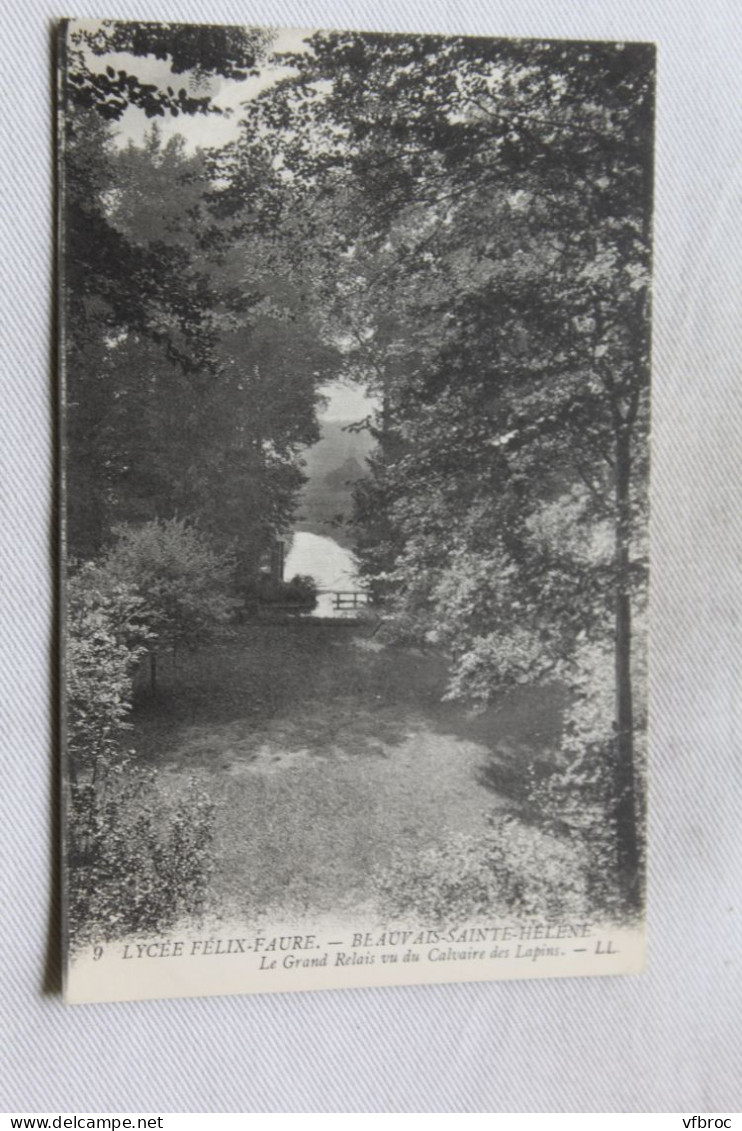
(328, 755)
(512, 770)
(289, 687)
(520, 731)
(272, 690)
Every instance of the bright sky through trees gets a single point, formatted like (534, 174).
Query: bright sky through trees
(198, 130)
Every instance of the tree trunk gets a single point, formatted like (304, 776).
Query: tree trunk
(624, 779)
(153, 673)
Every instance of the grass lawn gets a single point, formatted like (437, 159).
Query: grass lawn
(327, 756)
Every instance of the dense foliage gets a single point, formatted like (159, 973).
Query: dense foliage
(463, 227)
(136, 860)
(196, 52)
(106, 637)
(494, 201)
(515, 869)
(185, 586)
(192, 349)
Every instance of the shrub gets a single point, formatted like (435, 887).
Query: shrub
(576, 801)
(137, 862)
(301, 590)
(579, 799)
(105, 640)
(184, 584)
(514, 869)
(555, 854)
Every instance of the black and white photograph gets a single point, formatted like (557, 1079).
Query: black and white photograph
(355, 350)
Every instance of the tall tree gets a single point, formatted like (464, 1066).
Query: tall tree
(138, 325)
(193, 357)
(506, 199)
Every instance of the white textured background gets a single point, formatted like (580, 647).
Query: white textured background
(667, 1041)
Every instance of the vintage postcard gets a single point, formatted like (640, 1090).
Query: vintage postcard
(355, 341)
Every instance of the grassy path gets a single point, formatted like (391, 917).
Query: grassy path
(327, 757)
